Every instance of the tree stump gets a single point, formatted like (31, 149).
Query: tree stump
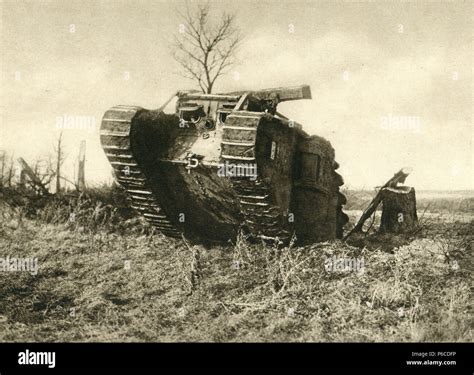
(399, 209)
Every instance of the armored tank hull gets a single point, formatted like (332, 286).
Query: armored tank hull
(226, 163)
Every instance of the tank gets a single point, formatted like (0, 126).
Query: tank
(224, 164)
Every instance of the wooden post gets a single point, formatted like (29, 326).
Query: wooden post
(81, 181)
(399, 209)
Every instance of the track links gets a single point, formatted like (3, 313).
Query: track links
(261, 217)
(115, 139)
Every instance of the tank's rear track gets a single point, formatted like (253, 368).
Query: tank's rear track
(115, 139)
(262, 219)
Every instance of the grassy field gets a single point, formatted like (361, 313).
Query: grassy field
(104, 275)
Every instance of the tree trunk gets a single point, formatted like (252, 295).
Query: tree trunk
(81, 180)
(399, 209)
(58, 165)
(35, 180)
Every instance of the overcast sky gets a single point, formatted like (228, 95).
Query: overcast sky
(369, 64)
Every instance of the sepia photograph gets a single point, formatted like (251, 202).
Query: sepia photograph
(236, 171)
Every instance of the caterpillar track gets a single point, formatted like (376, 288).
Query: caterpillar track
(115, 140)
(262, 219)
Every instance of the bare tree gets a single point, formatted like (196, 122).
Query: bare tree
(9, 170)
(59, 161)
(205, 51)
(81, 180)
(6, 169)
(43, 169)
